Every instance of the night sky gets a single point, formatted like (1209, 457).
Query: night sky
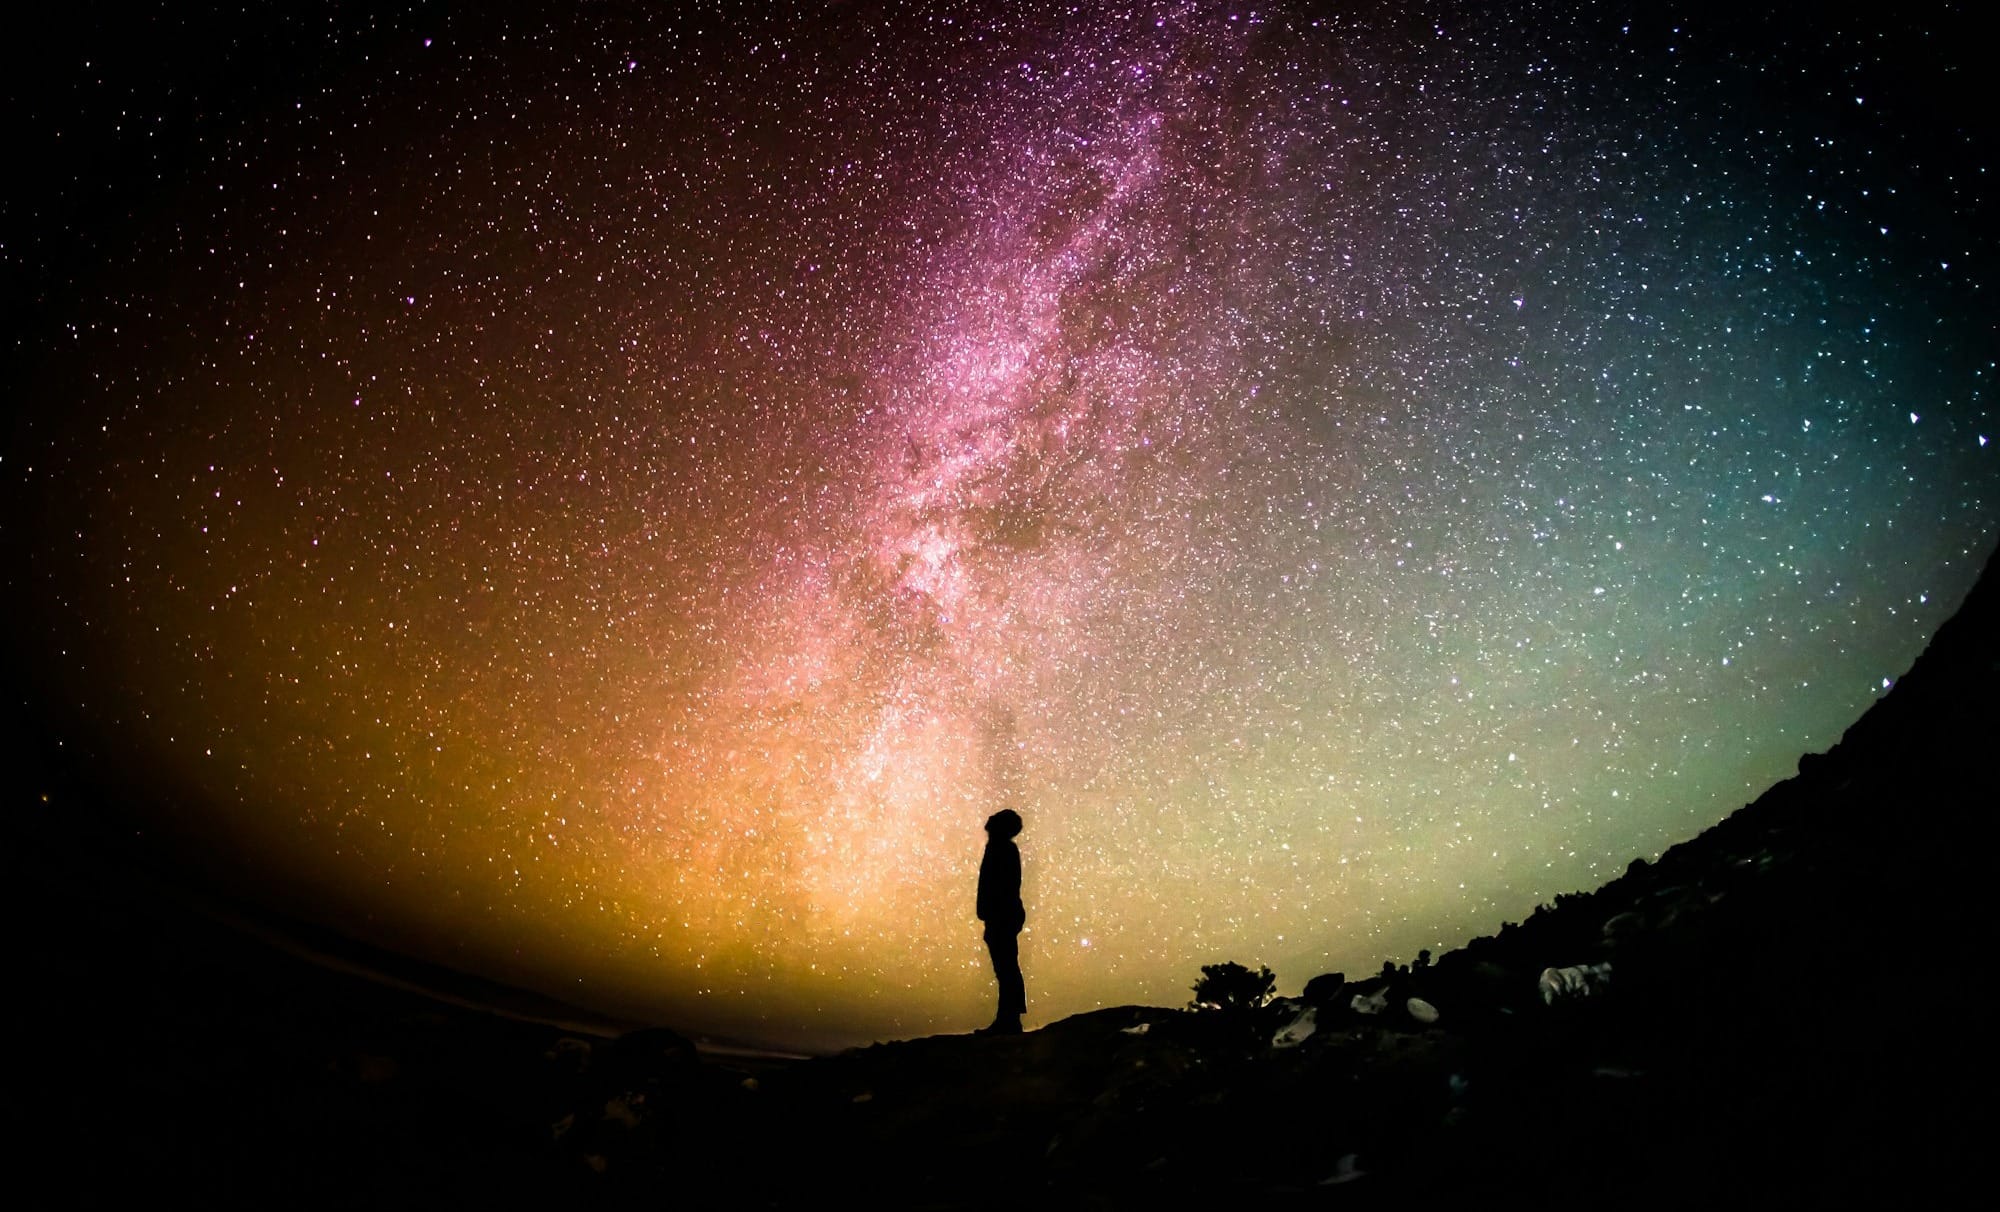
(611, 498)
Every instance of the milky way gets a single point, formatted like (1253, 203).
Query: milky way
(614, 500)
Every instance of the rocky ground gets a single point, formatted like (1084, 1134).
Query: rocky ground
(1782, 1007)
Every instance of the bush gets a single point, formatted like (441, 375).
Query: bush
(1232, 987)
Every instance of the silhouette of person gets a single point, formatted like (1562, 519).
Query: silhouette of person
(1000, 908)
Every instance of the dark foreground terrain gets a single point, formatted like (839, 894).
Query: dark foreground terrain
(1788, 1012)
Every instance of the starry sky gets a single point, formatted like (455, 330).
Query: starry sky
(611, 497)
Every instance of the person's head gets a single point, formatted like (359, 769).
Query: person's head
(1003, 824)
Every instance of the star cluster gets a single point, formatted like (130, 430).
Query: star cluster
(613, 499)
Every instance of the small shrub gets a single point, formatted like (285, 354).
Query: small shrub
(1233, 988)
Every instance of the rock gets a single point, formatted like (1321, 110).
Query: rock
(1297, 1031)
(623, 1111)
(570, 1053)
(1577, 981)
(1621, 925)
(1324, 990)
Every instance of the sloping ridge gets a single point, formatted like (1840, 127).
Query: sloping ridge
(1792, 1008)
(1797, 991)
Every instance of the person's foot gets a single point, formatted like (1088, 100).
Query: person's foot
(1006, 1024)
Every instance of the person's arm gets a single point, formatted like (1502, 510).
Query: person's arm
(987, 881)
(1014, 883)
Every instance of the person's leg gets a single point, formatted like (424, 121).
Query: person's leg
(1005, 949)
(1013, 992)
